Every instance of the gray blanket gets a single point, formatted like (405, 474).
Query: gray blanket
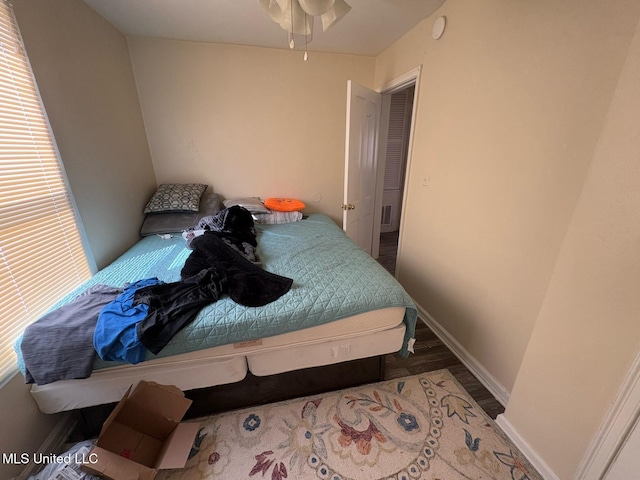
(59, 345)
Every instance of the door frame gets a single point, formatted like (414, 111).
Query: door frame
(412, 77)
(614, 429)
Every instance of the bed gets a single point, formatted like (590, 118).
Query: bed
(342, 306)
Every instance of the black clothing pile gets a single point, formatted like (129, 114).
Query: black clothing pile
(235, 227)
(247, 284)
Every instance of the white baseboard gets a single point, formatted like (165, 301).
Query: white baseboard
(497, 390)
(533, 457)
(52, 444)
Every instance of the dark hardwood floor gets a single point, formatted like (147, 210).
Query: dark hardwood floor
(388, 251)
(430, 353)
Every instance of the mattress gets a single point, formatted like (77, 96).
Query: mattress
(373, 333)
(342, 305)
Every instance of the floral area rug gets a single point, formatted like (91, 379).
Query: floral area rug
(419, 427)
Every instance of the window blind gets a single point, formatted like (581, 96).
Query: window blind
(41, 253)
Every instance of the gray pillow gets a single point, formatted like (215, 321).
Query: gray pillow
(175, 222)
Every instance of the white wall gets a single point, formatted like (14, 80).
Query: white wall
(512, 103)
(248, 121)
(82, 66)
(588, 330)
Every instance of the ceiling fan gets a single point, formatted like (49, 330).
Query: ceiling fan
(296, 17)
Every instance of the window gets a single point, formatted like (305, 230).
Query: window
(41, 252)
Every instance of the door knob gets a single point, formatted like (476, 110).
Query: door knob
(349, 206)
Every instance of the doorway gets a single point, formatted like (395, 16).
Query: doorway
(394, 157)
(387, 245)
(360, 133)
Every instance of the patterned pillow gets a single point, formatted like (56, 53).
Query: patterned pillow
(176, 197)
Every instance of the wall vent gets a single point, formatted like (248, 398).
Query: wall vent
(386, 215)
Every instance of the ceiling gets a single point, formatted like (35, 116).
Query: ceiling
(368, 29)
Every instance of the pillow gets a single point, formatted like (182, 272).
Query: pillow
(176, 197)
(284, 204)
(253, 204)
(172, 222)
(277, 217)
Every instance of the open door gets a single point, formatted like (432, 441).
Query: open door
(363, 120)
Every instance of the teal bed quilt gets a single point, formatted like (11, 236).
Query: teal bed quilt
(332, 279)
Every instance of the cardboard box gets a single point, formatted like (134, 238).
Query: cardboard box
(143, 434)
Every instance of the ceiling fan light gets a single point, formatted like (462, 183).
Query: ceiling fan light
(316, 7)
(334, 14)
